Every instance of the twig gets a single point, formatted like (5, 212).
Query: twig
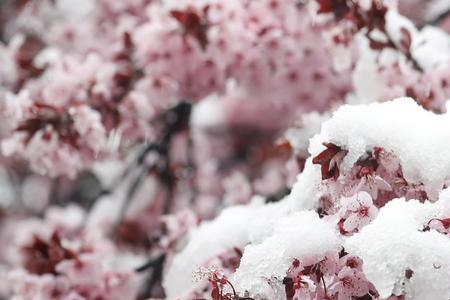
(439, 18)
(157, 266)
(324, 286)
(54, 191)
(131, 192)
(278, 195)
(150, 264)
(192, 169)
(408, 55)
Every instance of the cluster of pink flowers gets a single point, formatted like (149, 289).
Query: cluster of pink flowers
(254, 143)
(61, 259)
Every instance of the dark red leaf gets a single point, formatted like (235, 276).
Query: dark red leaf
(368, 165)
(215, 293)
(41, 257)
(193, 24)
(325, 158)
(377, 45)
(132, 233)
(60, 121)
(339, 8)
(289, 288)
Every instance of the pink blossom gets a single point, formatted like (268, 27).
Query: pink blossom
(352, 283)
(357, 211)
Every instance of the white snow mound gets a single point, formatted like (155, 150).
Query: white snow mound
(394, 243)
(418, 137)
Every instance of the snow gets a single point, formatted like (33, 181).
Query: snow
(413, 134)
(444, 201)
(429, 46)
(393, 243)
(234, 227)
(395, 22)
(435, 8)
(304, 192)
(301, 235)
(309, 126)
(207, 113)
(369, 85)
(432, 48)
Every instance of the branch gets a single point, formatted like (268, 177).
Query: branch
(157, 266)
(438, 19)
(278, 195)
(151, 264)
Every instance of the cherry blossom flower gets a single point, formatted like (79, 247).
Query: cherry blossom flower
(351, 284)
(357, 211)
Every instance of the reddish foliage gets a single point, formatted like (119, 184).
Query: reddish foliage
(374, 18)
(328, 160)
(339, 8)
(24, 58)
(45, 115)
(294, 281)
(371, 19)
(289, 287)
(133, 234)
(218, 282)
(365, 297)
(263, 152)
(41, 257)
(368, 164)
(193, 23)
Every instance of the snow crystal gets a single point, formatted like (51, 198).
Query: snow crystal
(394, 243)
